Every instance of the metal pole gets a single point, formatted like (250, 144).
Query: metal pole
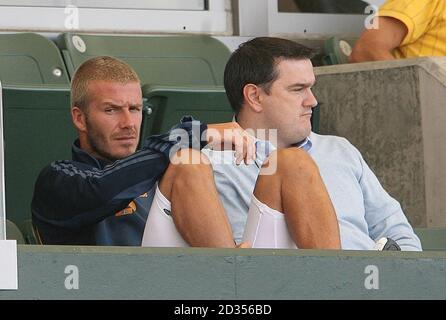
(2, 173)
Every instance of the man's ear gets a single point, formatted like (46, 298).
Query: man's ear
(79, 118)
(252, 93)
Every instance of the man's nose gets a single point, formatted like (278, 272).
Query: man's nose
(127, 120)
(310, 100)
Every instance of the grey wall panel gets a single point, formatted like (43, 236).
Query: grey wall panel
(226, 274)
(393, 112)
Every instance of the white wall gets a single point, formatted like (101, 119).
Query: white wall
(159, 17)
(262, 17)
(376, 2)
(256, 17)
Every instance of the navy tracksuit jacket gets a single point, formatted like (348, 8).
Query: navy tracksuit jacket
(85, 201)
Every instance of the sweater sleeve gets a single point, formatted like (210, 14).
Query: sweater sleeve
(72, 194)
(384, 215)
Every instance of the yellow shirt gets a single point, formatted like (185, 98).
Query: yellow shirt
(426, 24)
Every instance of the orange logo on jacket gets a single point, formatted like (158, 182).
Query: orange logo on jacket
(131, 208)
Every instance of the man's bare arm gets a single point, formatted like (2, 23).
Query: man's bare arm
(230, 135)
(378, 44)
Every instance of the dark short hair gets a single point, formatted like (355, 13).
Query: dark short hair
(255, 62)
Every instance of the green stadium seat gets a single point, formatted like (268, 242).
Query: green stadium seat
(158, 60)
(30, 59)
(315, 119)
(165, 105)
(13, 232)
(180, 74)
(37, 130)
(432, 238)
(337, 51)
(30, 233)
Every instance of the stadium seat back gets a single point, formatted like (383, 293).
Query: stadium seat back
(315, 119)
(158, 60)
(13, 232)
(30, 59)
(165, 106)
(337, 51)
(37, 131)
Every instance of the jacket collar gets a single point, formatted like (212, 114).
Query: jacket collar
(80, 155)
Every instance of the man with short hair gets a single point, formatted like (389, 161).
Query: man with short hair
(268, 82)
(288, 186)
(103, 195)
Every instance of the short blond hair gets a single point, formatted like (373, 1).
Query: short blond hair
(99, 68)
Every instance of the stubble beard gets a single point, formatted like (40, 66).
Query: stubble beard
(96, 140)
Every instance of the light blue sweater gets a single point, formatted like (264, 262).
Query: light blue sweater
(365, 211)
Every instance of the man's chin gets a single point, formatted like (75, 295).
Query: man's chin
(122, 152)
(304, 134)
(126, 153)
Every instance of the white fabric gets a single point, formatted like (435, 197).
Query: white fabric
(160, 230)
(266, 227)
